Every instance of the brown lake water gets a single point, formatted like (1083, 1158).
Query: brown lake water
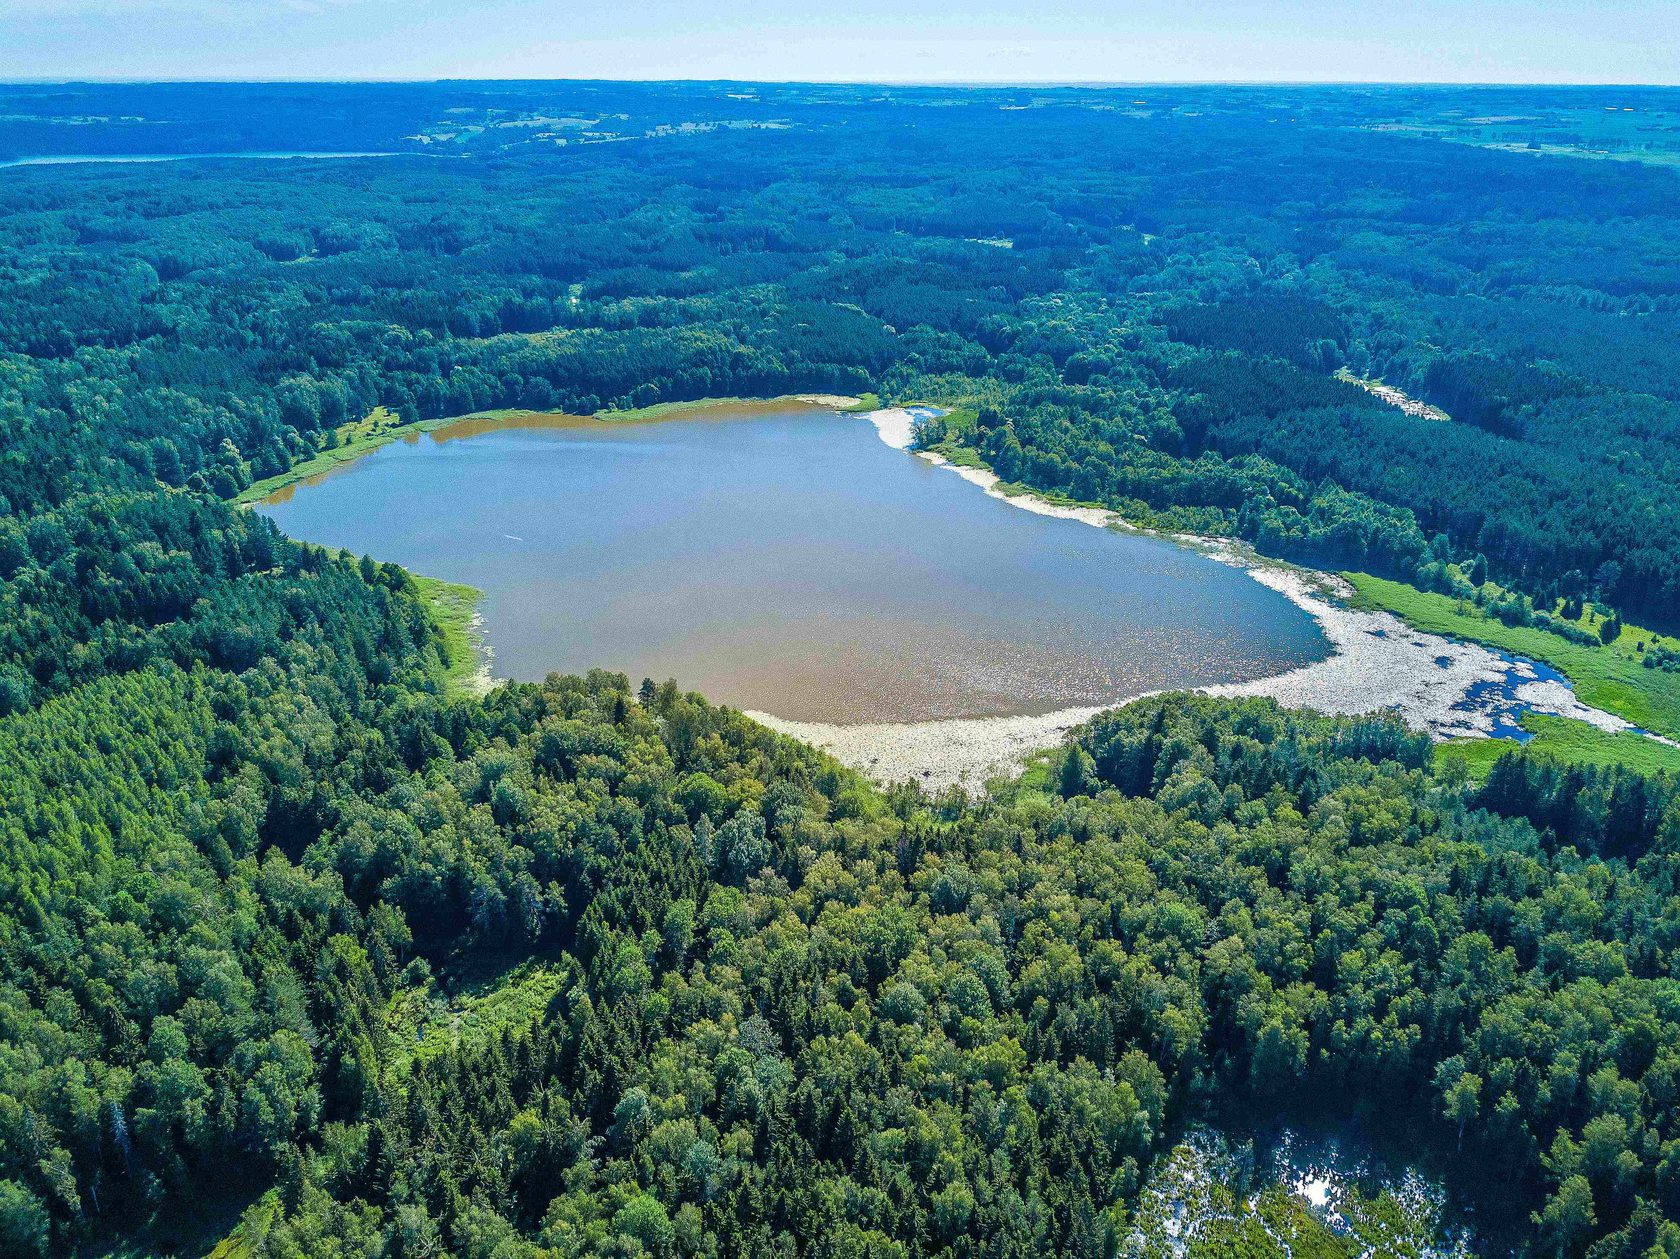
(780, 557)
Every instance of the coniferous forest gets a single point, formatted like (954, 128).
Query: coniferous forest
(759, 1005)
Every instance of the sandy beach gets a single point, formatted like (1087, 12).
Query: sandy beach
(1446, 688)
(839, 401)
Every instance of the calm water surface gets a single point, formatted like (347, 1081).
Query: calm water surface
(79, 159)
(784, 559)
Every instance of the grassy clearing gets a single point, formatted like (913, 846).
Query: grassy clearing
(243, 1242)
(1608, 677)
(1560, 739)
(424, 1022)
(355, 439)
(958, 455)
(453, 608)
(1037, 778)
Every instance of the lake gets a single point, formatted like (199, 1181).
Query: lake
(779, 557)
(78, 159)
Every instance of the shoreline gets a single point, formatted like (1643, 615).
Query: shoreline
(670, 410)
(454, 608)
(1448, 688)
(325, 462)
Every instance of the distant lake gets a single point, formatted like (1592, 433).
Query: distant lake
(75, 159)
(781, 558)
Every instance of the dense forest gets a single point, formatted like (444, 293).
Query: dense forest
(245, 826)
(1150, 297)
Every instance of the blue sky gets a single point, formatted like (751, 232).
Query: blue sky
(1532, 41)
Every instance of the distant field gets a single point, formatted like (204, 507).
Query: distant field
(1611, 678)
(1614, 124)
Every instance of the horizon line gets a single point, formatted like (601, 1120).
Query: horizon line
(421, 81)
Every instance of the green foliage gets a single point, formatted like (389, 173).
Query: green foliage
(757, 1006)
(783, 1012)
(453, 608)
(1162, 335)
(1565, 740)
(1612, 676)
(24, 1222)
(339, 445)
